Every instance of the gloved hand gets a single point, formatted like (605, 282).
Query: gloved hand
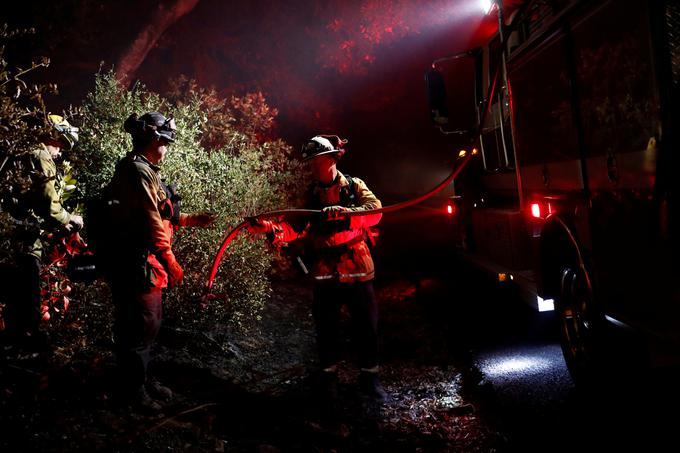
(257, 226)
(175, 274)
(75, 223)
(75, 242)
(332, 213)
(203, 219)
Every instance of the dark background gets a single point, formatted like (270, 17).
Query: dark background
(352, 68)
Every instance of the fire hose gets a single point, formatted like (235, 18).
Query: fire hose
(231, 235)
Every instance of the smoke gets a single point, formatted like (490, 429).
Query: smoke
(349, 67)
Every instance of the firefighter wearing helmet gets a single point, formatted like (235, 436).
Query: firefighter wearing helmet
(342, 266)
(144, 212)
(39, 211)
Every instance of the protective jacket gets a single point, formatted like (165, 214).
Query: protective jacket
(338, 248)
(141, 213)
(43, 202)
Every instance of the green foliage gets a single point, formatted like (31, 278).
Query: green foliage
(23, 125)
(224, 161)
(102, 138)
(22, 114)
(19, 102)
(234, 174)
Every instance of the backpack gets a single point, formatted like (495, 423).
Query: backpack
(98, 259)
(100, 229)
(103, 236)
(94, 262)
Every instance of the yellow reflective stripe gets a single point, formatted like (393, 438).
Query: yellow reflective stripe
(327, 277)
(362, 274)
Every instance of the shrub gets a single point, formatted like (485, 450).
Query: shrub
(23, 117)
(21, 108)
(239, 174)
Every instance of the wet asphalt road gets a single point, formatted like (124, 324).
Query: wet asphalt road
(524, 391)
(527, 393)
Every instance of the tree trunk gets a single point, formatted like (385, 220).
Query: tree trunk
(165, 14)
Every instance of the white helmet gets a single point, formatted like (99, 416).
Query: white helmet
(322, 144)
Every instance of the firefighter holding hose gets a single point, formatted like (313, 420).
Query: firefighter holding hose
(342, 267)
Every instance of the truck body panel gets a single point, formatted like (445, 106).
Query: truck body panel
(578, 149)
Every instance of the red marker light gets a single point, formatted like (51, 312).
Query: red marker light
(536, 210)
(449, 209)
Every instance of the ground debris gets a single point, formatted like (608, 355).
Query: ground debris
(254, 393)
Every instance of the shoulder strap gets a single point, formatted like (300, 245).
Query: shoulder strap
(175, 200)
(347, 194)
(350, 183)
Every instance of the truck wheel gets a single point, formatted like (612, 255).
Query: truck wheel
(580, 322)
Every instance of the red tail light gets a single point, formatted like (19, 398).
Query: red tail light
(450, 205)
(542, 209)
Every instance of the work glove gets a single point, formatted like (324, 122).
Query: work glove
(74, 242)
(257, 226)
(75, 223)
(175, 274)
(333, 213)
(203, 219)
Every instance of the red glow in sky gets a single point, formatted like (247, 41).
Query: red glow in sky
(316, 61)
(328, 66)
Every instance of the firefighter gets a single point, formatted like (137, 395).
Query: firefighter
(144, 213)
(38, 211)
(342, 265)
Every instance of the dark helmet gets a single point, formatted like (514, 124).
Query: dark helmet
(150, 126)
(323, 144)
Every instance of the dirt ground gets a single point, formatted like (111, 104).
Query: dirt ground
(254, 392)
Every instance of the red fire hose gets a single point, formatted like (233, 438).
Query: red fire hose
(460, 164)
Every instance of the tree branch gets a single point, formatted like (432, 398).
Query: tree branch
(162, 18)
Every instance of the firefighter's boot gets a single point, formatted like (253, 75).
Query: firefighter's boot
(370, 386)
(327, 385)
(158, 390)
(142, 402)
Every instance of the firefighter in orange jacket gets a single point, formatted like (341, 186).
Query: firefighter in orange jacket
(144, 211)
(343, 269)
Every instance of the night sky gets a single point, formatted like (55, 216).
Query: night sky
(354, 68)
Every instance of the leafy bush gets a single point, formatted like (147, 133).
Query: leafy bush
(21, 108)
(225, 161)
(221, 162)
(23, 120)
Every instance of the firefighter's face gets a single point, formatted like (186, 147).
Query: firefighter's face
(55, 148)
(321, 165)
(157, 151)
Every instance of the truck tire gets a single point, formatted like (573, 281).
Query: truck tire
(581, 324)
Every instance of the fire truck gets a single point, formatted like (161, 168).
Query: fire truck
(572, 195)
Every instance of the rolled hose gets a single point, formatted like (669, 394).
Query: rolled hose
(231, 235)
